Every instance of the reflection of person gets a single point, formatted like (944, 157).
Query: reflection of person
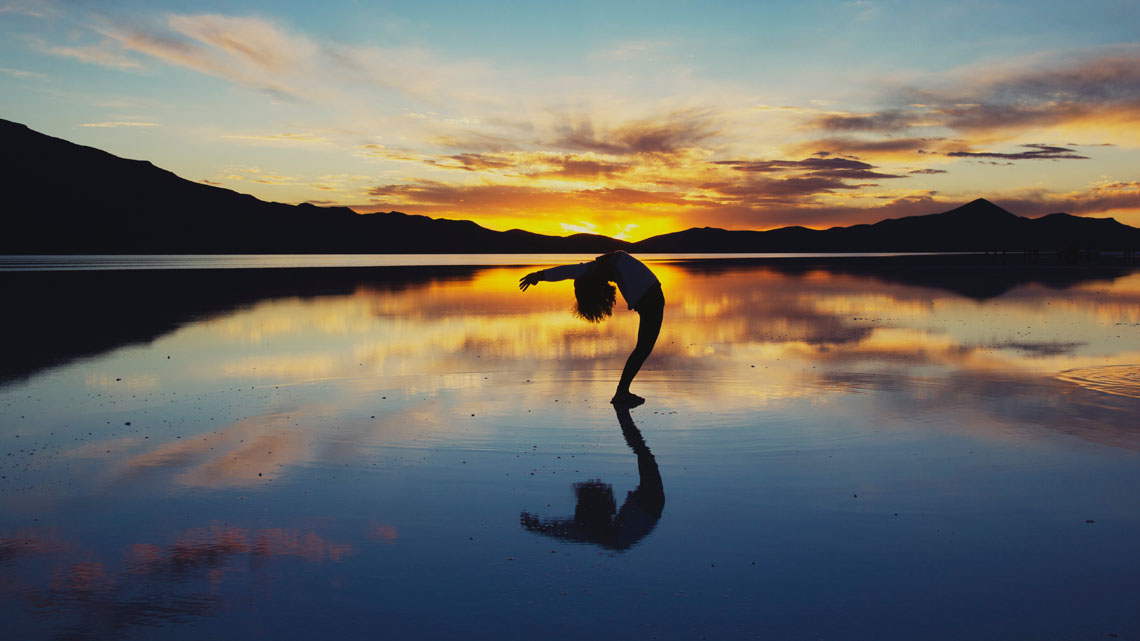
(595, 301)
(594, 520)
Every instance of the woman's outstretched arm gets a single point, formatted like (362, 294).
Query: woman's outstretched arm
(562, 272)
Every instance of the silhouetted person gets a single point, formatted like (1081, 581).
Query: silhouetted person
(594, 520)
(595, 301)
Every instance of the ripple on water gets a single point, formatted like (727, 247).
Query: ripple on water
(1122, 380)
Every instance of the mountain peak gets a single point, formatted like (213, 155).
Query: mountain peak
(982, 207)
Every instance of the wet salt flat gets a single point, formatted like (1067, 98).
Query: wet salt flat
(851, 450)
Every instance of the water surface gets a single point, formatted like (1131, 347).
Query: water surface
(116, 262)
(828, 452)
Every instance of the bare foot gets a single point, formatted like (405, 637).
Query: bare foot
(627, 399)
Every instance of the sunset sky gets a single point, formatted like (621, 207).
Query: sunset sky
(620, 118)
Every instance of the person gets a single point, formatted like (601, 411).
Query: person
(594, 296)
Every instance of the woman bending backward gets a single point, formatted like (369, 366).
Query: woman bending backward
(595, 301)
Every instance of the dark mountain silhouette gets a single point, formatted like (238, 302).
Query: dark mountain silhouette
(977, 226)
(63, 198)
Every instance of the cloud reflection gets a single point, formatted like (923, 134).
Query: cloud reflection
(152, 585)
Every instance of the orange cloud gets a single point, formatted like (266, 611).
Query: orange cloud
(1118, 198)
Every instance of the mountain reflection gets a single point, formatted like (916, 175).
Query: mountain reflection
(66, 315)
(594, 519)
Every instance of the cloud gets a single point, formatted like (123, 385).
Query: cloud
(266, 56)
(120, 123)
(282, 138)
(629, 50)
(1009, 99)
(885, 121)
(671, 134)
(105, 54)
(535, 164)
(474, 141)
(257, 175)
(252, 43)
(1036, 152)
(768, 210)
(581, 227)
(790, 182)
(840, 168)
(248, 51)
(927, 172)
(1119, 198)
(893, 148)
(864, 9)
(1099, 90)
(34, 8)
(20, 73)
(473, 162)
(574, 167)
(784, 191)
(519, 164)
(430, 192)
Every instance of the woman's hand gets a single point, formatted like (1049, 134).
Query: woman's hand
(528, 280)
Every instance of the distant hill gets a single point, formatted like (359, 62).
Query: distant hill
(63, 198)
(974, 227)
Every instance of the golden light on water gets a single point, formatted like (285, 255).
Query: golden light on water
(727, 320)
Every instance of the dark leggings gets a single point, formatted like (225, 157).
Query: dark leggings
(651, 308)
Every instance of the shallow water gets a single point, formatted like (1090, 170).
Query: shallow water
(826, 453)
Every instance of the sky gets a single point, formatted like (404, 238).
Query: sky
(627, 119)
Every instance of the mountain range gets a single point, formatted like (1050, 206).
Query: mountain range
(62, 198)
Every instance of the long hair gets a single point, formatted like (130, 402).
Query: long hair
(594, 297)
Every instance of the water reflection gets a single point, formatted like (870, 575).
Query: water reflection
(94, 594)
(68, 315)
(247, 363)
(596, 518)
(209, 450)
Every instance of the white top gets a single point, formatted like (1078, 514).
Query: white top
(633, 278)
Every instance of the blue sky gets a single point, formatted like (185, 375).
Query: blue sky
(622, 118)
